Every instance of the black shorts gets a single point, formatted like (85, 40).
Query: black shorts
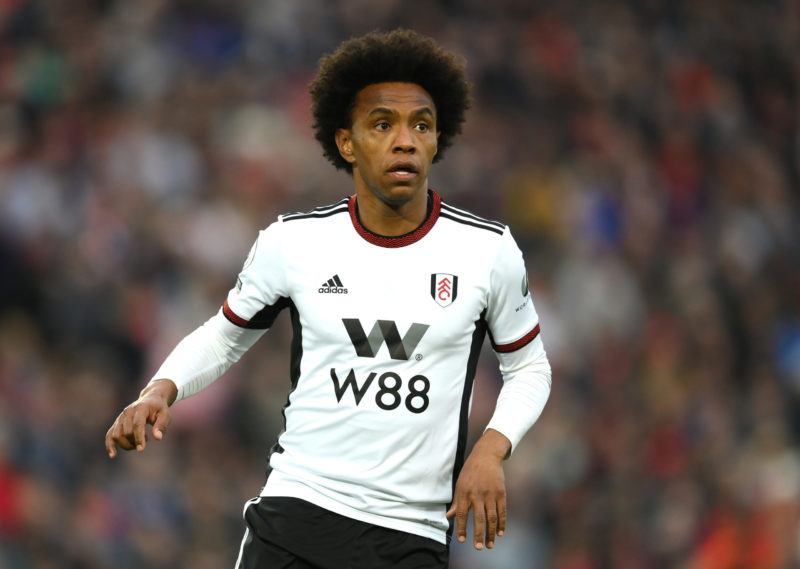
(289, 533)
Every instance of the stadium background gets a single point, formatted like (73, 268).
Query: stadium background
(645, 154)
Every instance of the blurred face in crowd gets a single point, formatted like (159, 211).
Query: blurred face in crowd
(391, 143)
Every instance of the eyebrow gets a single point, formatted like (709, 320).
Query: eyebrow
(387, 111)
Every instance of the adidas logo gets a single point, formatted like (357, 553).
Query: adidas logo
(333, 286)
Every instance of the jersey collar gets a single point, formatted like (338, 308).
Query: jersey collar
(401, 240)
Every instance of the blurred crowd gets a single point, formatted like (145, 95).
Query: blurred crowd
(646, 155)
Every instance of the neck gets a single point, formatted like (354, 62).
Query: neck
(391, 220)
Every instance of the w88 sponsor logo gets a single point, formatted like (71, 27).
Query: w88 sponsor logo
(388, 395)
(390, 385)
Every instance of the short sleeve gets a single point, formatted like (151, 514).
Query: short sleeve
(511, 315)
(260, 292)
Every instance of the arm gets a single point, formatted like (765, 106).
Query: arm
(514, 331)
(197, 361)
(481, 484)
(205, 354)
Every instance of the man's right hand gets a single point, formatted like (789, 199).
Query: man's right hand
(151, 408)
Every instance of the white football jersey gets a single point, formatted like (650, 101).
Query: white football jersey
(387, 333)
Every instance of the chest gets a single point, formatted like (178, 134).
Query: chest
(391, 302)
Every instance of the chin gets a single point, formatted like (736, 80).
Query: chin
(398, 196)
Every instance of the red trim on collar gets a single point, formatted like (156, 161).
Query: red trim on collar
(400, 240)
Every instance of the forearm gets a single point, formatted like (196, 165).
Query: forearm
(204, 355)
(526, 388)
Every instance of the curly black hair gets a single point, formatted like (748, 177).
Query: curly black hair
(397, 56)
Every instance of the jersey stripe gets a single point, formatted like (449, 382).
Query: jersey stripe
(295, 360)
(313, 214)
(322, 211)
(261, 320)
(525, 340)
(478, 335)
(246, 536)
(233, 317)
(472, 223)
(465, 214)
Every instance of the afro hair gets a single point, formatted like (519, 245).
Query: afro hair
(397, 56)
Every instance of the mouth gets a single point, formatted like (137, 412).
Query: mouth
(403, 170)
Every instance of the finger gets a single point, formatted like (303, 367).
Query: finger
(160, 425)
(125, 442)
(478, 523)
(125, 423)
(502, 513)
(461, 523)
(460, 513)
(139, 424)
(491, 524)
(116, 437)
(111, 447)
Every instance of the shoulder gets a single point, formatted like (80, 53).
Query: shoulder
(296, 227)
(289, 227)
(318, 213)
(471, 223)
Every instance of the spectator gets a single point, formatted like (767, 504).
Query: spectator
(646, 154)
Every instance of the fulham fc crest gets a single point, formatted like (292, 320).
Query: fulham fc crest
(444, 288)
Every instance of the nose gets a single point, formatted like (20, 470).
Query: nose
(404, 141)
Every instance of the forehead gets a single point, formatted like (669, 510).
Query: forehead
(396, 96)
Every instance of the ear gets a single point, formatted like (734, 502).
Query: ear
(345, 144)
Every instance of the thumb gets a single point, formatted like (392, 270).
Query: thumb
(160, 425)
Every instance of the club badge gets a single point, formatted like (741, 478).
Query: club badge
(444, 288)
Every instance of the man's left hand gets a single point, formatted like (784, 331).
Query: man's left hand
(481, 487)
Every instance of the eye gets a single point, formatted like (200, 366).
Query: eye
(422, 127)
(382, 125)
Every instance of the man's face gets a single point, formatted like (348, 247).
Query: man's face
(392, 141)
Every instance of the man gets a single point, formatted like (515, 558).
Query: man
(391, 292)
